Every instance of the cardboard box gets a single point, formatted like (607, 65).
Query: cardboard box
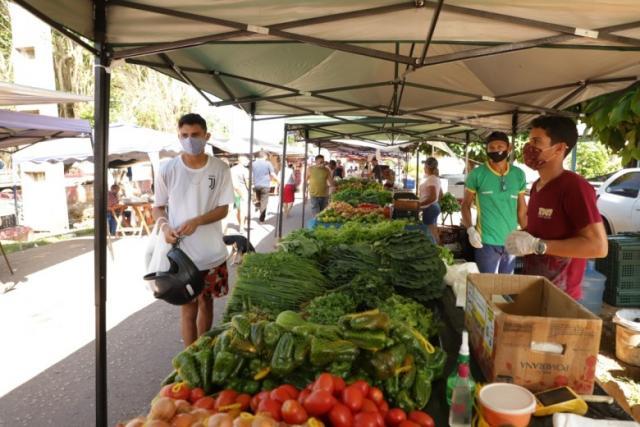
(542, 339)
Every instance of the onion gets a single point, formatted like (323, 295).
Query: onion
(200, 414)
(245, 419)
(183, 420)
(182, 406)
(162, 409)
(262, 421)
(220, 420)
(136, 422)
(157, 423)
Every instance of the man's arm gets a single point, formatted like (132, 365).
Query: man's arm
(591, 242)
(469, 198)
(215, 215)
(329, 178)
(522, 211)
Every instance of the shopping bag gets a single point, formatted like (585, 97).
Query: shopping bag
(156, 253)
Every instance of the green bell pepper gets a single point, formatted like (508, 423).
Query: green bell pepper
(242, 325)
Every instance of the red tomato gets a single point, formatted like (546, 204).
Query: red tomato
(303, 396)
(363, 386)
(196, 394)
(262, 395)
(338, 385)
(255, 401)
(376, 395)
(365, 419)
(421, 418)
(178, 391)
(293, 412)
(407, 423)
(340, 416)
(395, 416)
(244, 400)
(293, 392)
(352, 398)
(280, 394)
(226, 398)
(319, 403)
(324, 382)
(206, 402)
(379, 419)
(369, 406)
(309, 387)
(383, 408)
(272, 407)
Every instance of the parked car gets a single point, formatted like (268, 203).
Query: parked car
(619, 203)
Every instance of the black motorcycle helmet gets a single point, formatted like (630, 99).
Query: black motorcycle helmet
(181, 284)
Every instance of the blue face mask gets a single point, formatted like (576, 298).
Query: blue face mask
(192, 145)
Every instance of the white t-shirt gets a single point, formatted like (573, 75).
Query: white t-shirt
(430, 180)
(188, 193)
(240, 179)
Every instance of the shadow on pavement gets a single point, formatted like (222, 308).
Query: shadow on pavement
(33, 260)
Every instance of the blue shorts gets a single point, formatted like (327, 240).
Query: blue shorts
(430, 214)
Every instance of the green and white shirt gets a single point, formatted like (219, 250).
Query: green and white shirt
(496, 201)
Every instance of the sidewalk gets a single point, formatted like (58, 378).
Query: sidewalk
(47, 363)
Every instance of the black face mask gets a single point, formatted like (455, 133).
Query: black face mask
(497, 156)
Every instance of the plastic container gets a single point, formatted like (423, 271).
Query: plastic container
(622, 268)
(628, 336)
(409, 183)
(463, 357)
(461, 400)
(593, 288)
(504, 404)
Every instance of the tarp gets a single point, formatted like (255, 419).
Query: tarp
(18, 129)
(242, 146)
(126, 143)
(250, 49)
(13, 94)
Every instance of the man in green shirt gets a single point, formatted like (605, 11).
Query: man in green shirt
(320, 180)
(497, 189)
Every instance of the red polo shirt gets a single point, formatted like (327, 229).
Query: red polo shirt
(563, 207)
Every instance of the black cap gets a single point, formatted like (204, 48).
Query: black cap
(498, 136)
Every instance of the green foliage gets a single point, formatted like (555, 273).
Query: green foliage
(594, 159)
(449, 204)
(6, 70)
(614, 119)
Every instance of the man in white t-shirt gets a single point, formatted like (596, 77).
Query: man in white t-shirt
(192, 194)
(263, 173)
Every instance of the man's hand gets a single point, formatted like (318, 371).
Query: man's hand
(188, 227)
(474, 237)
(170, 235)
(520, 243)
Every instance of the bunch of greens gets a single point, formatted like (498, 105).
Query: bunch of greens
(354, 196)
(368, 290)
(358, 184)
(327, 309)
(445, 255)
(347, 261)
(411, 313)
(352, 232)
(413, 264)
(275, 282)
(303, 243)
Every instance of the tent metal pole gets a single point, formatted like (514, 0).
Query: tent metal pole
(467, 138)
(100, 149)
(571, 95)
(432, 28)
(574, 157)
(283, 168)
(514, 133)
(417, 169)
(183, 76)
(304, 175)
(251, 160)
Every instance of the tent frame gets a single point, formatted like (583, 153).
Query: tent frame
(105, 53)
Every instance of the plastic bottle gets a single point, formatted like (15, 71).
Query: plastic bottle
(461, 401)
(463, 357)
(592, 288)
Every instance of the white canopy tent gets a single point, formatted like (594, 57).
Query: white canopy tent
(14, 94)
(126, 143)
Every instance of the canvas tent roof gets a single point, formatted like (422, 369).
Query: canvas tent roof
(485, 60)
(126, 143)
(22, 129)
(13, 94)
(242, 146)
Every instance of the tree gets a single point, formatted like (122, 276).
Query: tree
(6, 70)
(614, 119)
(594, 159)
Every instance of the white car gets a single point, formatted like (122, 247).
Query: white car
(619, 201)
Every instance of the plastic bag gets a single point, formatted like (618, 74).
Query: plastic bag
(156, 253)
(456, 277)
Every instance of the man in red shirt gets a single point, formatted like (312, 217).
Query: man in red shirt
(564, 227)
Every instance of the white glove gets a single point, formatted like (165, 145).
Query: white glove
(474, 237)
(520, 243)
